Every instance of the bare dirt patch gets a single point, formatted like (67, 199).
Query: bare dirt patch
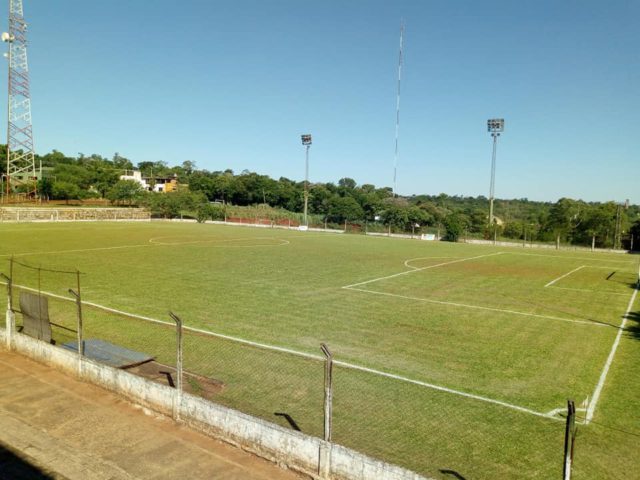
(191, 383)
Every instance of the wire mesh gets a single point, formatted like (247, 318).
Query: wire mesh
(156, 340)
(435, 433)
(440, 434)
(276, 386)
(52, 284)
(606, 449)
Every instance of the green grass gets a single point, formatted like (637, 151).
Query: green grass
(529, 345)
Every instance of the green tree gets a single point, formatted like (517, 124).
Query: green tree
(395, 216)
(125, 192)
(635, 233)
(344, 208)
(65, 191)
(45, 188)
(564, 217)
(454, 225)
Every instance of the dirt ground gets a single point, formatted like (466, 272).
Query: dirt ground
(166, 375)
(53, 426)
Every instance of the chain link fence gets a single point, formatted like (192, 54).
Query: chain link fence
(432, 431)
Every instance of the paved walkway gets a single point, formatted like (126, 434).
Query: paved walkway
(53, 426)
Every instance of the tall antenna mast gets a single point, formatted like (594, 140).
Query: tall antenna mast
(21, 167)
(395, 163)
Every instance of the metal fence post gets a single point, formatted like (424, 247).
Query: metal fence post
(10, 316)
(328, 391)
(176, 409)
(569, 440)
(324, 457)
(80, 336)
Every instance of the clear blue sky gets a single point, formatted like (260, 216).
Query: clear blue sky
(233, 84)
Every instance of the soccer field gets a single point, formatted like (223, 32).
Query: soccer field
(482, 345)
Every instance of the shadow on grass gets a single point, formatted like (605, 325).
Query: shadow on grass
(292, 423)
(633, 328)
(12, 467)
(453, 474)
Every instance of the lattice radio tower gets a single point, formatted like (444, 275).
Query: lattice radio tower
(21, 166)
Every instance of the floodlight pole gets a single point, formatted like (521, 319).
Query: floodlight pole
(306, 185)
(306, 141)
(493, 176)
(495, 127)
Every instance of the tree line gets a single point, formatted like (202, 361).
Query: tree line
(205, 194)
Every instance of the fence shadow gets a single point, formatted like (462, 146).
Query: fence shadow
(292, 423)
(453, 474)
(12, 467)
(633, 329)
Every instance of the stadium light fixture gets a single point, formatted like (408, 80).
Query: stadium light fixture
(306, 142)
(495, 127)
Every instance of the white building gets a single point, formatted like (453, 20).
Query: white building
(152, 184)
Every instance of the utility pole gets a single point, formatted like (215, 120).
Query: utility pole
(495, 126)
(21, 168)
(306, 142)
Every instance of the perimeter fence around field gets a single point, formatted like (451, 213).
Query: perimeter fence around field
(434, 431)
(71, 214)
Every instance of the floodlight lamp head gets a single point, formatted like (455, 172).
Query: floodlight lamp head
(306, 139)
(6, 37)
(495, 125)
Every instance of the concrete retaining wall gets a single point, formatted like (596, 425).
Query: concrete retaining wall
(396, 235)
(288, 448)
(71, 214)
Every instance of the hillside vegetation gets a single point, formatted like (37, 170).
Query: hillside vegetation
(218, 194)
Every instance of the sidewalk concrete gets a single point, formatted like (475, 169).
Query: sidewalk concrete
(66, 429)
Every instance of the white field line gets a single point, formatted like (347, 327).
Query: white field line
(443, 389)
(420, 269)
(149, 244)
(170, 324)
(223, 242)
(556, 411)
(603, 376)
(611, 268)
(565, 275)
(479, 307)
(407, 263)
(561, 257)
(585, 290)
(301, 354)
(51, 252)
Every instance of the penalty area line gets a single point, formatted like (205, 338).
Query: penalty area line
(584, 290)
(446, 389)
(420, 269)
(563, 276)
(478, 307)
